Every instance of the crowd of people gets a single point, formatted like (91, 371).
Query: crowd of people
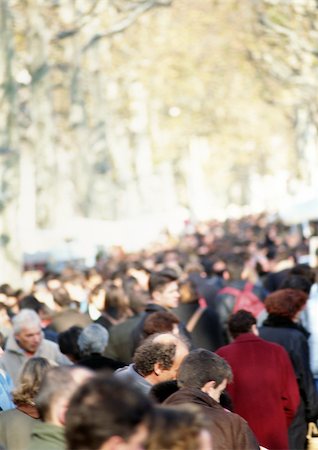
(205, 342)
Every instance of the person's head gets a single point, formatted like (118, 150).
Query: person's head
(106, 414)
(56, 389)
(30, 379)
(159, 357)
(161, 322)
(93, 339)
(179, 428)
(116, 300)
(206, 371)
(298, 282)
(163, 288)
(68, 343)
(242, 322)
(30, 302)
(27, 330)
(286, 303)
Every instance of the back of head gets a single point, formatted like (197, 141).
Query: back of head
(285, 303)
(68, 342)
(241, 322)
(30, 380)
(151, 352)
(160, 322)
(299, 282)
(30, 302)
(201, 366)
(177, 428)
(58, 384)
(93, 339)
(102, 408)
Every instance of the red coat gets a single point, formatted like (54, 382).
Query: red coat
(264, 390)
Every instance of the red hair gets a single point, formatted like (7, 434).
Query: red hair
(285, 302)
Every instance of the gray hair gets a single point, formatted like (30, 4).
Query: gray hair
(93, 339)
(25, 319)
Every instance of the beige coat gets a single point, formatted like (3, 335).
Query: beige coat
(14, 356)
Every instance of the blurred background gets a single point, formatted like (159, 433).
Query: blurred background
(124, 121)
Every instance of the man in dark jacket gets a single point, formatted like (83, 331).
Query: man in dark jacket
(202, 377)
(125, 337)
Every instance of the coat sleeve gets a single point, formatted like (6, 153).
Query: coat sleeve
(290, 391)
(244, 437)
(307, 389)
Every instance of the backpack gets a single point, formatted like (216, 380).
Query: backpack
(244, 299)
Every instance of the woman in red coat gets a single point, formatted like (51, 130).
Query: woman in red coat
(264, 391)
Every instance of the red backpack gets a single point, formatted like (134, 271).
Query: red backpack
(245, 299)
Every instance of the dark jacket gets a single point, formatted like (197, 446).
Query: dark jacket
(207, 332)
(125, 337)
(229, 431)
(263, 374)
(293, 337)
(96, 361)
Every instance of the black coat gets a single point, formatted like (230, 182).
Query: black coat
(207, 332)
(293, 337)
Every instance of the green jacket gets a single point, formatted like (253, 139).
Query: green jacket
(46, 436)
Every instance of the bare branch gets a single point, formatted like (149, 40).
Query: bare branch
(127, 21)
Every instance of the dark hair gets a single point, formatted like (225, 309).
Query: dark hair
(161, 391)
(158, 280)
(68, 342)
(159, 322)
(299, 282)
(201, 366)
(241, 322)
(30, 302)
(285, 302)
(149, 353)
(97, 412)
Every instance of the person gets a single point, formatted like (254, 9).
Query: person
(264, 375)
(282, 327)
(92, 342)
(16, 424)
(55, 392)
(161, 322)
(99, 418)
(116, 307)
(202, 377)
(156, 360)
(68, 343)
(201, 321)
(26, 340)
(174, 428)
(125, 337)
(67, 313)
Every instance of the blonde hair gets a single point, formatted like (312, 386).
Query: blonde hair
(30, 380)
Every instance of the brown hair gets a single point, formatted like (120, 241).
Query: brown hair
(160, 322)
(285, 302)
(176, 428)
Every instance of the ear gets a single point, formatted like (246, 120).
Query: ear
(208, 386)
(61, 414)
(157, 369)
(156, 296)
(113, 443)
(254, 330)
